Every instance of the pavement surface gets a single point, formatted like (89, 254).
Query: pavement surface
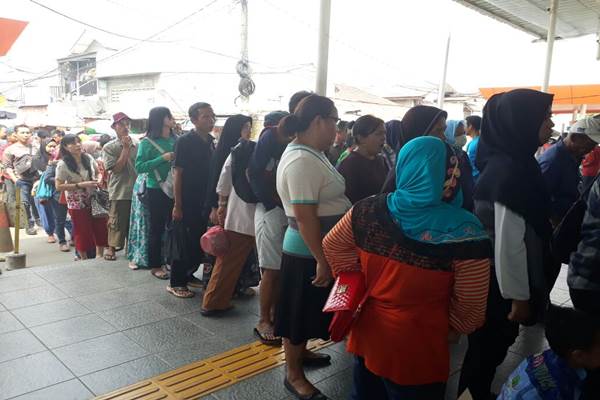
(38, 251)
(75, 330)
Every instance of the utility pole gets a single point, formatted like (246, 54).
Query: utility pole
(550, 43)
(323, 58)
(442, 88)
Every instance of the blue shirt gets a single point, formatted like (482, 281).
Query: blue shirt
(561, 173)
(584, 270)
(544, 376)
(472, 153)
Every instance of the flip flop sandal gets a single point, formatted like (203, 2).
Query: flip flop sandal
(264, 339)
(160, 274)
(181, 292)
(110, 257)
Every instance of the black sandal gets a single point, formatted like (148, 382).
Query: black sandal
(315, 396)
(316, 360)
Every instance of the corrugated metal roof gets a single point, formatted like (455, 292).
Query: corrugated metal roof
(575, 17)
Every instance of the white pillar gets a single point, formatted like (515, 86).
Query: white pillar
(598, 41)
(442, 88)
(323, 58)
(550, 43)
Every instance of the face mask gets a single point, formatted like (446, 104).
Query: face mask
(460, 141)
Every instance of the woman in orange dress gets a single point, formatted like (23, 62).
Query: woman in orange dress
(433, 260)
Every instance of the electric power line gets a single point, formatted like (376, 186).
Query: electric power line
(122, 51)
(92, 26)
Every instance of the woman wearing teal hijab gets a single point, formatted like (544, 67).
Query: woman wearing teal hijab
(427, 200)
(427, 261)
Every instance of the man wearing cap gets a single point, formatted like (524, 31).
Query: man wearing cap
(119, 159)
(590, 167)
(560, 168)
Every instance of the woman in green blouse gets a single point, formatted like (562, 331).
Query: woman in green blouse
(154, 157)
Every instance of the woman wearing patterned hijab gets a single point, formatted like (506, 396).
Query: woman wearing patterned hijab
(427, 260)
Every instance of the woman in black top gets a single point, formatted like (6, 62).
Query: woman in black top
(365, 168)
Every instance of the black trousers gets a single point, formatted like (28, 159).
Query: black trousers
(369, 386)
(161, 207)
(488, 346)
(588, 301)
(183, 270)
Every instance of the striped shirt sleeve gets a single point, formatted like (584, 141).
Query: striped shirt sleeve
(340, 248)
(469, 296)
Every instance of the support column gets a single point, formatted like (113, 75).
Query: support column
(550, 43)
(442, 88)
(323, 58)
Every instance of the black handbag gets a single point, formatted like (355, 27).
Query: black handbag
(100, 203)
(567, 234)
(175, 245)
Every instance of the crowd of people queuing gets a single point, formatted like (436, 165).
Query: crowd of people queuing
(453, 239)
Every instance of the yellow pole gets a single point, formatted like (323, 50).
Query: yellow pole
(17, 218)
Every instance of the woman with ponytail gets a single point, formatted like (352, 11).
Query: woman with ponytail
(312, 193)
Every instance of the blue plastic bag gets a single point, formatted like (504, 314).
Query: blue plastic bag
(44, 191)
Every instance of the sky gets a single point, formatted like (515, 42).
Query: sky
(382, 45)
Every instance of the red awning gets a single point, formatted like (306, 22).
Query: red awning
(11, 29)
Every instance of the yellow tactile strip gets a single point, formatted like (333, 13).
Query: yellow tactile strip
(207, 376)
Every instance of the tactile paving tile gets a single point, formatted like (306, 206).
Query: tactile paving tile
(207, 376)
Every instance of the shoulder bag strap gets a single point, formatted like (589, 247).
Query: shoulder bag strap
(153, 143)
(157, 147)
(584, 194)
(582, 197)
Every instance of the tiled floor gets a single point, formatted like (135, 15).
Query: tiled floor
(83, 329)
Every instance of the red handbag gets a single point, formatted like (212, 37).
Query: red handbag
(346, 299)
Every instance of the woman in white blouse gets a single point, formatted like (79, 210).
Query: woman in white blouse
(237, 218)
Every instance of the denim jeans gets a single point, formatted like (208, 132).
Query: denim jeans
(27, 201)
(46, 213)
(60, 217)
(368, 386)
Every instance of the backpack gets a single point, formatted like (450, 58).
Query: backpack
(567, 234)
(240, 158)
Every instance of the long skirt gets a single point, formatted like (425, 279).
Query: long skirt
(139, 228)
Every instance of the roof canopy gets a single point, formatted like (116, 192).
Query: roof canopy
(566, 98)
(11, 29)
(575, 17)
